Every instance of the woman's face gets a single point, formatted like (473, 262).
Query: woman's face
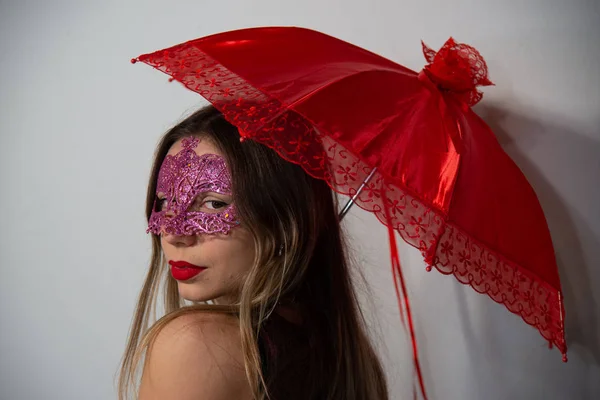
(225, 258)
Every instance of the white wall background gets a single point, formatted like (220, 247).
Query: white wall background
(78, 125)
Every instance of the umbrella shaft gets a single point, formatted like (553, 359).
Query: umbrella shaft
(351, 201)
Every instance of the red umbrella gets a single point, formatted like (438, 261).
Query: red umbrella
(428, 166)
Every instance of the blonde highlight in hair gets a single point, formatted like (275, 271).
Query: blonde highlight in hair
(311, 272)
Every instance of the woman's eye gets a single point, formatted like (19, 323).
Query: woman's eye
(208, 205)
(215, 205)
(160, 204)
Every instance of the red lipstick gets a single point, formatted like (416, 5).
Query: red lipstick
(182, 270)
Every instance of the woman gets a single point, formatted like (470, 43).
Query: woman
(284, 321)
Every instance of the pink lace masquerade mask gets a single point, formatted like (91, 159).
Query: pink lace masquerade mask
(183, 181)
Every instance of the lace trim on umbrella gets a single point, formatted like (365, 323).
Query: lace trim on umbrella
(452, 251)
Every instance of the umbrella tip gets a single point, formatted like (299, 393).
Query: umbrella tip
(134, 60)
(564, 358)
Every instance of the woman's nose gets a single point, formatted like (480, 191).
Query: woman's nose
(180, 240)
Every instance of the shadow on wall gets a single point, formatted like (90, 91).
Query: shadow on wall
(577, 246)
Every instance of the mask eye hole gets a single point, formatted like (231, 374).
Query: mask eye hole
(215, 205)
(160, 202)
(210, 204)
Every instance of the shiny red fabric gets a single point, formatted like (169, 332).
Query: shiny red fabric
(340, 111)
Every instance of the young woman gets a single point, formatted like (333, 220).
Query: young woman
(254, 243)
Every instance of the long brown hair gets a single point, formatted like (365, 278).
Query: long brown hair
(288, 213)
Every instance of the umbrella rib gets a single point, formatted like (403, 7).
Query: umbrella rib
(353, 199)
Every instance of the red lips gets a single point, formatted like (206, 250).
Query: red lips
(183, 264)
(183, 270)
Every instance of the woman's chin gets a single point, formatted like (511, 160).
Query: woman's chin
(193, 294)
(197, 294)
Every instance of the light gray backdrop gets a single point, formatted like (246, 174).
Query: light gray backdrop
(78, 125)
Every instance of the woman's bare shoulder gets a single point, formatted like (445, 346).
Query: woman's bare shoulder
(196, 355)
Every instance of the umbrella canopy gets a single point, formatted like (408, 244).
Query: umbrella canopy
(437, 173)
